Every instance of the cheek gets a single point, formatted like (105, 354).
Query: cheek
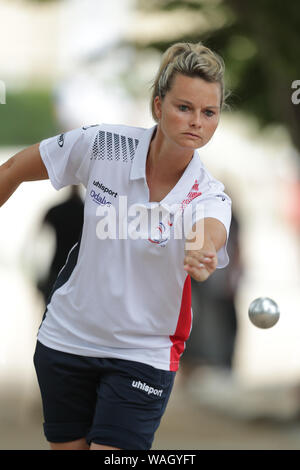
(212, 125)
(210, 130)
(171, 119)
(178, 117)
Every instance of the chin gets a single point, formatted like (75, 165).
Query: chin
(201, 144)
(192, 144)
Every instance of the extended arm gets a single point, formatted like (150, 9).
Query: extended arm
(201, 252)
(26, 165)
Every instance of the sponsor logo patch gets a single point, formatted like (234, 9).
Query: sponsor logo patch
(61, 140)
(98, 199)
(147, 388)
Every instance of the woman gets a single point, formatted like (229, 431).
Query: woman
(120, 311)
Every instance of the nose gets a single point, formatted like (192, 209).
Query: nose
(196, 120)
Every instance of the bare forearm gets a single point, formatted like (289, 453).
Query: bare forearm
(7, 184)
(214, 233)
(209, 244)
(26, 165)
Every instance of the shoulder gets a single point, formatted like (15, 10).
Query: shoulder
(207, 187)
(116, 142)
(206, 180)
(122, 129)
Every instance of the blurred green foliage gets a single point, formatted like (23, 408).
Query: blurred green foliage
(27, 117)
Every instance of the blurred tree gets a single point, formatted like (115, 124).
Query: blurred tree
(259, 41)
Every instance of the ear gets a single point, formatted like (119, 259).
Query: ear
(157, 106)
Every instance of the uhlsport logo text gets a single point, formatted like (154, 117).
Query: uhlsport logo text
(147, 388)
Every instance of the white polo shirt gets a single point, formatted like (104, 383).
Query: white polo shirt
(122, 295)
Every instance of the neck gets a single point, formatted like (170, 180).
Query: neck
(166, 161)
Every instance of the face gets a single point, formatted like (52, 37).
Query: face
(189, 113)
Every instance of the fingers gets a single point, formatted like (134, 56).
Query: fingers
(199, 274)
(200, 265)
(200, 260)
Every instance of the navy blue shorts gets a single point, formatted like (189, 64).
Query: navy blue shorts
(113, 402)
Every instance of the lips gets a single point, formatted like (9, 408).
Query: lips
(192, 135)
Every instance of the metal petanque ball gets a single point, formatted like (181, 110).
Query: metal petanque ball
(263, 312)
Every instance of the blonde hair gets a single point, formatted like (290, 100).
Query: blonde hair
(193, 60)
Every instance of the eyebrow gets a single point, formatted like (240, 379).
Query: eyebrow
(189, 102)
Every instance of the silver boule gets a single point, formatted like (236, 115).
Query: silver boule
(264, 312)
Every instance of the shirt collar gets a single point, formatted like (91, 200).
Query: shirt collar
(138, 169)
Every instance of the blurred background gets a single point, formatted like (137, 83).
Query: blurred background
(69, 63)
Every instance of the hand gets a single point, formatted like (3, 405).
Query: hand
(200, 264)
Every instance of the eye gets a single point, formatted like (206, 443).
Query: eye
(183, 107)
(209, 112)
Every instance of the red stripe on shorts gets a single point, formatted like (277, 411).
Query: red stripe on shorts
(183, 325)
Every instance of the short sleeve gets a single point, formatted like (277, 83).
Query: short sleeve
(215, 204)
(66, 156)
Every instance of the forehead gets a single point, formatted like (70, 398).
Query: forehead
(195, 89)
